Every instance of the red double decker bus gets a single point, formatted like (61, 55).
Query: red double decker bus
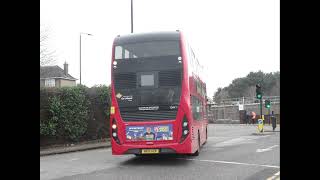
(158, 96)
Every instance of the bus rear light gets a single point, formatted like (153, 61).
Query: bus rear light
(185, 129)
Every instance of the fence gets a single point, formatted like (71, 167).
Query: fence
(247, 100)
(228, 110)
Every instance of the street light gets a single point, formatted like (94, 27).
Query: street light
(80, 51)
(131, 16)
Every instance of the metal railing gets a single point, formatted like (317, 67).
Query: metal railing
(246, 100)
(229, 110)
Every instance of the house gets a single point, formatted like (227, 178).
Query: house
(54, 76)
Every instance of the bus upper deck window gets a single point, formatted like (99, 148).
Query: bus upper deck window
(118, 52)
(126, 54)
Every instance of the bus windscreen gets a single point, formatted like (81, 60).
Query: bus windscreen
(147, 79)
(147, 49)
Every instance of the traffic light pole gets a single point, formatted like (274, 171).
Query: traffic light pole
(269, 115)
(261, 108)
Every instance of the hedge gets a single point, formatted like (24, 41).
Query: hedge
(74, 113)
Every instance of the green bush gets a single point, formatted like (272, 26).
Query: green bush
(105, 98)
(68, 112)
(48, 127)
(68, 116)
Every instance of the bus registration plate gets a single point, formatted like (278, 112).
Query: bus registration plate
(150, 151)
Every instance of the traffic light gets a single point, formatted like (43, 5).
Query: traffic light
(267, 103)
(258, 91)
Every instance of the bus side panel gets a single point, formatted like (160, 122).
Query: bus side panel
(186, 94)
(197, 127)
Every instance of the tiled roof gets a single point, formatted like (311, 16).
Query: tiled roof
(54, 72)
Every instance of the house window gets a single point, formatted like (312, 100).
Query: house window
(50, 83)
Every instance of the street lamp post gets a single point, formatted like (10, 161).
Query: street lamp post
(80, 52)
(131, 17)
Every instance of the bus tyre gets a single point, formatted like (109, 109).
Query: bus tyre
(138, 155)
(206, 136)
(198, 151)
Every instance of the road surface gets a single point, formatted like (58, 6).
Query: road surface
(232, 152)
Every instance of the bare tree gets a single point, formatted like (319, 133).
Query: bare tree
(46, 55)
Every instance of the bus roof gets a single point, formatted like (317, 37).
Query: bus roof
(144, 37)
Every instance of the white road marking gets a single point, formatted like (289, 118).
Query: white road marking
(74, 159)
(238, 140)
(274, 176)
(228, 162)
(266, 149)
(105, 150)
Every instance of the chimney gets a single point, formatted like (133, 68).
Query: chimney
(65, 68)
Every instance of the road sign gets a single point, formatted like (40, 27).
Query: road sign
(241, 107)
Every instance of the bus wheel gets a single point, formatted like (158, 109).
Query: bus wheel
(198, 151)
(206, 136)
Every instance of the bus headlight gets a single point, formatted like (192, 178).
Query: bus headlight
(185, 129)
(114, 131)
(185, 132)
(185, 124)
(114, 134)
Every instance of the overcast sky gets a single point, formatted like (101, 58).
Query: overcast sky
(230, 37)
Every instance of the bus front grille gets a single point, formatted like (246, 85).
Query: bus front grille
(125, 80)
(148, 115)
(170, 78)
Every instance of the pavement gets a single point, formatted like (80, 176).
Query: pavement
(76, 147)
(231, 152)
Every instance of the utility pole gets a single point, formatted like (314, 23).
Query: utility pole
(80, 51)
(131, 17)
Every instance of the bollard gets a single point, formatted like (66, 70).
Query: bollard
(260, 125)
